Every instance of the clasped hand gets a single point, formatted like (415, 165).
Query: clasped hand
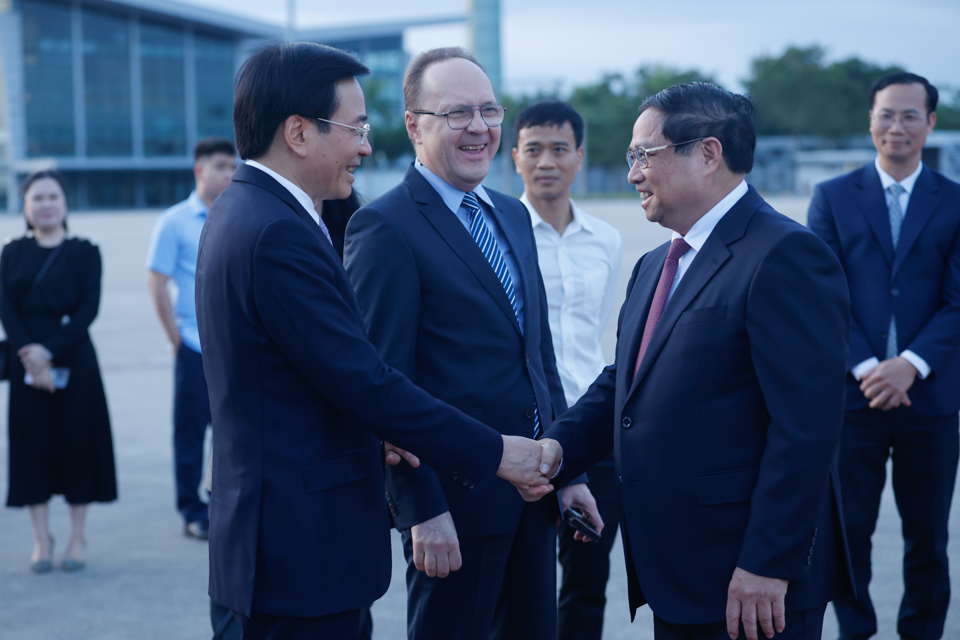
(37, 362)
(886, 385)
(527, 464)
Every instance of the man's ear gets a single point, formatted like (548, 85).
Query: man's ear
(516, 152)
(579, 158)
(294, 134)
(413, 128)
(712, 154)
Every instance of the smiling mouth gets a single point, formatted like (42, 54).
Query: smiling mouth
(473, 147)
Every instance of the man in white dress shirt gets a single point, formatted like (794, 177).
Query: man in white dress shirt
(580, 262)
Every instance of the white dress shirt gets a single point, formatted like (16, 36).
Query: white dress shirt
(701, 230)
(305, 201)
(581, 272)
(923, 369)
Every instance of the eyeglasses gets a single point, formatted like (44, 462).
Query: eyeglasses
(642, 156)
(461, 117)
(364, 131)
(909, 119)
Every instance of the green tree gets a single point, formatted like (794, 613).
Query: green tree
(797, 93)
(611, 106)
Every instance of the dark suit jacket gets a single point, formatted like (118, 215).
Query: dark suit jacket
(919, 282)
(437, 312)
(724, 444)
(298, 521)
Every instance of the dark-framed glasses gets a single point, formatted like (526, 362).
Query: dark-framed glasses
(641, 156)
(364, 131)
(460, 117)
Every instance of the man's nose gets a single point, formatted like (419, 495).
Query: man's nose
(477, 124)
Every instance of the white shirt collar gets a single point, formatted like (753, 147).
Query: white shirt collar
(703, 227)
(579, 220)
(305, 201)
(452, 197)
(907, 183)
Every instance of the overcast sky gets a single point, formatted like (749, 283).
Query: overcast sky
(570, 42)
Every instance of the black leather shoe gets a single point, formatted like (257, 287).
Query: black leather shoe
(198, 529)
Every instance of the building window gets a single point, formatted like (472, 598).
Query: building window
(48, 79)
(215, 68)
(164, 110)
(111, 189)
(166, 188)
(106, 69)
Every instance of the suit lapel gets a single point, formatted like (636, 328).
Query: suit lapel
(254, 176)
(873, 206)
(705, 265)
(923, 202)
(521, 250)
(452, 231)
(635, 315)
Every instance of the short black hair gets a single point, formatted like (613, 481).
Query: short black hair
(903, 77)
(211, 145)
(286, 79)
(704, 110)
(40, 175)
(549, 113)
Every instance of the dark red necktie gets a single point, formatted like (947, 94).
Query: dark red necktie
(677, 248)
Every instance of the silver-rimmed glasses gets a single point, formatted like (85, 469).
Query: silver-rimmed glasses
(460, 117)
(364, 131)
(641, 156)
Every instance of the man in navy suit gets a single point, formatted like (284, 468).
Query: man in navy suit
(895, 225)
(299, 528)
(724, 405)
(446, 275)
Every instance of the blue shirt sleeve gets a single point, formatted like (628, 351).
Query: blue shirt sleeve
(162, 255)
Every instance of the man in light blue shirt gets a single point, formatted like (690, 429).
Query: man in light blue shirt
(173, 255)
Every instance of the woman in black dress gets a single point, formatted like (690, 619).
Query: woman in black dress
(59, 428)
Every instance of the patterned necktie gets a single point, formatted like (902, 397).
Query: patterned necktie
(677, 248)
(896, 221)
(488, 246)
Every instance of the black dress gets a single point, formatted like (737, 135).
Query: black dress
(60, 443)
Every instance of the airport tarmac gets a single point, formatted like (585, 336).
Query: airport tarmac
(145, 580)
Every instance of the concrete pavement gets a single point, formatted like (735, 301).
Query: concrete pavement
(144, 579)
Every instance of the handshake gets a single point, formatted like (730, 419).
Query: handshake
(527, 464)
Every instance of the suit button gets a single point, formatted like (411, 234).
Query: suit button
(456, 475)
(895, 292)
(393, 511)
(626, 423)
(470, 486)
(809, 560)
(528, 358)
(529, 412)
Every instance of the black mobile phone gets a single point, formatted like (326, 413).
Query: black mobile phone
(575, 519)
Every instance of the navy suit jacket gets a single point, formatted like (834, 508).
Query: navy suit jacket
(298, 521)
(724, 443)
(437, 312)
(919, 282)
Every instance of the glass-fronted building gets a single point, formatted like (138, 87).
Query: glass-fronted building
(116, 93)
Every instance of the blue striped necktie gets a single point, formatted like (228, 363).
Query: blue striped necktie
(488, 246)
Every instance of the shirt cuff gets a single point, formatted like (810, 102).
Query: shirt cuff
(559, 469)
(863, 367)
(923, 368)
